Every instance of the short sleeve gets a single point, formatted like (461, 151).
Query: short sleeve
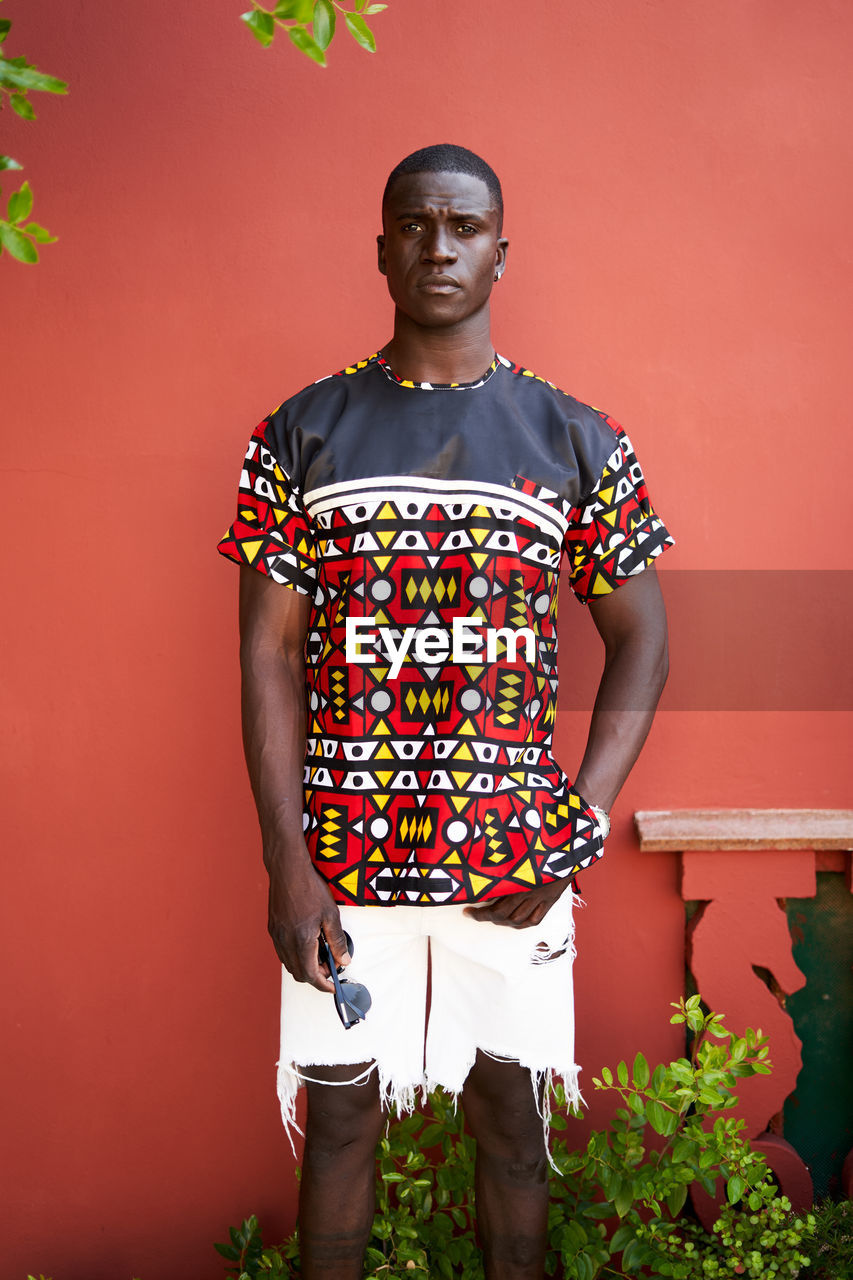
(271, 531)
(614, 533)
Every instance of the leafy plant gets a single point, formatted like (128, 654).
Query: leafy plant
(247, 1251)
(832, 1244)
(670, 1131)
(18, 78)
(295, 17)
(645, 1182)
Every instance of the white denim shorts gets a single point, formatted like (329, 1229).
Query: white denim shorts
(505, 991)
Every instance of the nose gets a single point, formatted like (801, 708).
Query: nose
(438, 246)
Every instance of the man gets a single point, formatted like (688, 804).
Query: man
(398, 650)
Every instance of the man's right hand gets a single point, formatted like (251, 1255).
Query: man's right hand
(300, 905)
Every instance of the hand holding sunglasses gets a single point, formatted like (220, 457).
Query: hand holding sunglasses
(352, 1000)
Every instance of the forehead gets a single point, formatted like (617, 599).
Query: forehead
(461, 192)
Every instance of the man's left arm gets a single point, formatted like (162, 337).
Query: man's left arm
(632, 623)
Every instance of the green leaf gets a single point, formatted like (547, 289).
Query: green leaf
(20, 204)
(739, 1050)
(41, 234)
(17, 74)
(682, 1071)
(622, 1073)
(228, 1251)
(607, 1075)
(585, 1267)
(360, 32)
(683, 1148)
(632, 1256)
(17, 244)
(300, 11)
(22, 106)
(375, 8)
(598, 1211)
(675, 1199)
(307, 44)
(5, 28)
(431, 1134)
(261, 26)
(662, 1121)
(641, 1071)
(324, 30)
(6, 162)
(734, 1188)
(621, 1236)
(624, 1199)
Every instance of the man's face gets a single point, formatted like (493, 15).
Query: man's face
(441, 247)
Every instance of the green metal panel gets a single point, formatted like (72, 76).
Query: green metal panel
(819, 1114)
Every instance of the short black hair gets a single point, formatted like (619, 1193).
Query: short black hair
(445, 157)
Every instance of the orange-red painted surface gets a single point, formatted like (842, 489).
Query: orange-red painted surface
(678, 204)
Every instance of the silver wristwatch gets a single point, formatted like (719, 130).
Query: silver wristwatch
(603, 818)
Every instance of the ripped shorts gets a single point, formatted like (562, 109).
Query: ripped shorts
(505, 991)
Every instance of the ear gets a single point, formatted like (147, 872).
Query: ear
(501, 249)
(380, 242)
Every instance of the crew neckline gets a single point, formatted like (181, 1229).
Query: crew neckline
(411, 385)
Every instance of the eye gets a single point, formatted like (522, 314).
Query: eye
(411, 226)
(467, 228)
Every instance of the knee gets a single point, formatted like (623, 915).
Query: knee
(343, 1117)
(515, 1144)
(512, 1142)
(519, 1166)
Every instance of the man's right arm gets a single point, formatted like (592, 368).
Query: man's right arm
(273, 627)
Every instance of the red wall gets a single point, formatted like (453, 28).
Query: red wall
(678, 202)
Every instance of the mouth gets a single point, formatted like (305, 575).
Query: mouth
(438, 284)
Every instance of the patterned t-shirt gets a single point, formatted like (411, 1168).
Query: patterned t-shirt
(428, 524)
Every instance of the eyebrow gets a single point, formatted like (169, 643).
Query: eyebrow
(454, 214)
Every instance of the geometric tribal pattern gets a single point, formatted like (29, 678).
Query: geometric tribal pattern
(442, 775)
(437, 784)
(616, 531)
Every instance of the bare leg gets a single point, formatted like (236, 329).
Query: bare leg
(336, 1194)
(512, 1169)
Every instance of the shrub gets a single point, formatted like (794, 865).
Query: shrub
(616, 1207)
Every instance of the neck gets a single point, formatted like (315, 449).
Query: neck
(458, 353)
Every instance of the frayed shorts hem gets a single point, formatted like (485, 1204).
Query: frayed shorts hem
(400, 1099)
(505, 992)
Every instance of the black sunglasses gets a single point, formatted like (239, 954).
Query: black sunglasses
(352, 1000)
